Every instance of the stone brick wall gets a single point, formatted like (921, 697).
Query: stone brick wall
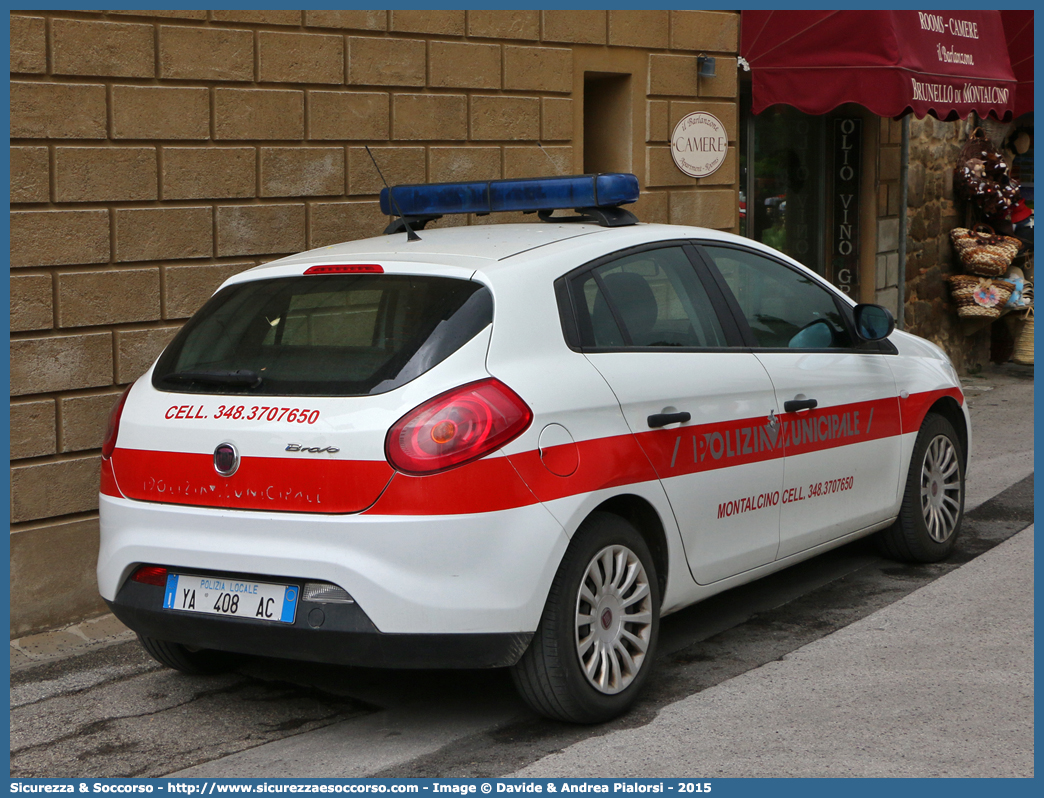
(931, 213)
(156, 153)
(886, 262)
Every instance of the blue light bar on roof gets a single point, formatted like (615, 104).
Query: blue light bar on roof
(530, 194)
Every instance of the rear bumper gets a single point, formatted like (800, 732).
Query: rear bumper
(336, 633)
(482, 573)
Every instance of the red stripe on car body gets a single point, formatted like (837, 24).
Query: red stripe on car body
(481, 486)
(915, 407)
(603, 463)
(108, 479)
(502, 483)
(260, 483)
(707, 447)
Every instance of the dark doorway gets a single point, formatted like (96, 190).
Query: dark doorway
(607, 122)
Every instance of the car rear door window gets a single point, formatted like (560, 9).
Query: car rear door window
(646, 299)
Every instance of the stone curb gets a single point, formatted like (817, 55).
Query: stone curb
(78, 638)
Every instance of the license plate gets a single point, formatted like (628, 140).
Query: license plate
(219, 595)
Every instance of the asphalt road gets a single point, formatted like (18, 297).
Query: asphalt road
(114, 712)
(936, 685)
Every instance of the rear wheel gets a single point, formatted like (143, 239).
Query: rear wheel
(195, 661)
(597, 637)
(933, 502)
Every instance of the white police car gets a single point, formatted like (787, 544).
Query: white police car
(513, 445)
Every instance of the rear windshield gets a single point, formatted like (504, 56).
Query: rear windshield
(323, 335)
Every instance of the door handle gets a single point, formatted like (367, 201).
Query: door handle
(799, 404)
(663, 419)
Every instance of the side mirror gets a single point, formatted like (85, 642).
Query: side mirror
(873, 322)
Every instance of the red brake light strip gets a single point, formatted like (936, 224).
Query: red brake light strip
(346, 268)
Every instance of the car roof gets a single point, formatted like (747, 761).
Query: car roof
(448, 244)
(484, 247)
(470, 250)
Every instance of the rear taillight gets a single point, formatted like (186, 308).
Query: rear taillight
(114, 424)
(151, 575)
(456, 427)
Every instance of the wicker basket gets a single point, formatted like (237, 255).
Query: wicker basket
(983, 252)
(979, 297)
(1024, 342)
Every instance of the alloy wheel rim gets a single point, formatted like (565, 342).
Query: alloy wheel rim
(941, 489)
(614, 620)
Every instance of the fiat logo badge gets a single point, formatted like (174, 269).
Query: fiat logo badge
(226, 459)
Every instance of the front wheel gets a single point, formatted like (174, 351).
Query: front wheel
(933, 502)
(597, 637)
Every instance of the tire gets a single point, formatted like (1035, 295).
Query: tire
(197, 662)
(590, 673)
(933, 503)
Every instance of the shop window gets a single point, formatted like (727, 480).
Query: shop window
(607, 122)
(784, 177)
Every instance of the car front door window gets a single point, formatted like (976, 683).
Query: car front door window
(784, 307)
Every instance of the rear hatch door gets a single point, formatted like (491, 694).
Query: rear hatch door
(278, 394)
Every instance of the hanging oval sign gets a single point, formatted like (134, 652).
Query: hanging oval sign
(699, 144)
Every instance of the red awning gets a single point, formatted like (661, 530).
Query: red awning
(1018, 28)
(943, 63)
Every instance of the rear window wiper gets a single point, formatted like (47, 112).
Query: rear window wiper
(244, 377)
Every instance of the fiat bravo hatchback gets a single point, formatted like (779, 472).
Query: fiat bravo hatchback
(513, 445)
